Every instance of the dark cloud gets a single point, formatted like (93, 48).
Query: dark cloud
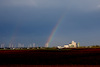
(34, 20)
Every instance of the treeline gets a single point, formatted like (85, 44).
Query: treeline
(93, 46)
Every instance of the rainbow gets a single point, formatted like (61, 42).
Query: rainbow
(13, 37)
(54, 30)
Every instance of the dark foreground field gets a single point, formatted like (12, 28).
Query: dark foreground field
(88, 56)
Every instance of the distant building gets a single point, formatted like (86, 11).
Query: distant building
(66, 46)
(33, 44)
(71, 45)
(78, 44)
(60, 47)
(46, 45)
(2, 45)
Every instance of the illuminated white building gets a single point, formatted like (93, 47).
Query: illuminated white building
(71, 45)
(60, 47)
(66, 46)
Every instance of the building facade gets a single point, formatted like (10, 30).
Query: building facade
(71, 45)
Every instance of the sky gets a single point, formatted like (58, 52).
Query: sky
(32, 21)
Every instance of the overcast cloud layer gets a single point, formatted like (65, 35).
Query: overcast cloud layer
(31, 21)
